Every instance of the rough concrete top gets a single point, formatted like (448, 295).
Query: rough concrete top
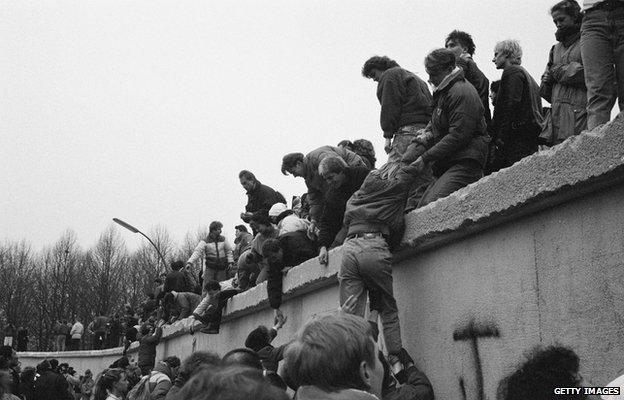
(580, 165)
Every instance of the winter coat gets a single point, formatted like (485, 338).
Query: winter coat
(147, 348)
(186, 302)
(261, 198)
(566, 92)
(330, 222)
(316, 393)
(217, 253)
(289, 222)
(77, 330)
(296, 248)
(317, 187)
(241, 244)
(52, 386)
(458, 129)
(160, 381)
(478, 79)
(271, 356)
(404, 99)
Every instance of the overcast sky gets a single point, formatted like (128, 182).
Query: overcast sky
(147, 110)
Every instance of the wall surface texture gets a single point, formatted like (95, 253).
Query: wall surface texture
(533, 254)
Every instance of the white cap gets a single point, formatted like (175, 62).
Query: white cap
(277, 209)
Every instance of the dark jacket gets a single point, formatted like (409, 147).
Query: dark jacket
(330, 222)
(52, 386)
(480, 82)
(176, 281)
(317, 187)
(147, 348)
(518, 102)
(417, 387)
(458, 127)
(270, 356)
(186, 302)
(404, 99)
(261, 198)
(241, 244)
(296, 248)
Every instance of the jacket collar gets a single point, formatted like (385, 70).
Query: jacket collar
(315, 393)
(454, 76)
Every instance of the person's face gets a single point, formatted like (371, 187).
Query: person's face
(216, 232)
(493, 97)
(247, 184)
(297, 170)
(455, 47)
(500, 59)
(237, 233)
(436, 77)
(335, 180)
(275, 257)
(14, 359)
(562, 20)
(265, 229)
(376, 74)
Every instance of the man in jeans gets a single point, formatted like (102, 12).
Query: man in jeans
(602, 51)
(405, 103)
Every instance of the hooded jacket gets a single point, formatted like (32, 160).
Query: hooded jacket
(404, 99)
(160, 381)
(458, 126)
(217, 253)
(317, 187)
(289, 222)
(478, 79)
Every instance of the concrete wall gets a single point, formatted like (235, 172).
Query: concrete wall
(531, 255)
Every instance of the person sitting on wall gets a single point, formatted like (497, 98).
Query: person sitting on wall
(210, 309)
(286, 220)
(252, 267)
(177, 306)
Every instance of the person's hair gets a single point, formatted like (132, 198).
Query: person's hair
(495, 86)
(172, 361)
(43, 366)
(241, 228)
(544, 370)
(211, 284)
(330, 165)
(168, 300)
(258, 338)
(364, 147)
(380, 63)
(289, 161)
(570, 7)
(247, 175)
(463, 39)
(106, 381)
(440, 60)
(177, 265)
(242, 356)
(346, 143)
(261, 218)
(234, 382)
(271, 246)
(192, 363)
(214, 225)
(327, 352)
(28, 375)
(510, 48)
(54, 364)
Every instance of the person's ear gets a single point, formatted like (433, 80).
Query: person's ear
(365, 374)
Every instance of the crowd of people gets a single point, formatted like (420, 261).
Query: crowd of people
(437, 143)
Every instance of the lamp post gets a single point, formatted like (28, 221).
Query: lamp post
(135, 230)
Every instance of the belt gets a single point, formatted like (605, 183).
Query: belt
(365, 235)
(608, 5)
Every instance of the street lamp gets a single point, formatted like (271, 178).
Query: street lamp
(135, 230)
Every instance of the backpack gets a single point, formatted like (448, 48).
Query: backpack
(140, 391)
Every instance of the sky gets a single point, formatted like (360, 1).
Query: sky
(146, 110)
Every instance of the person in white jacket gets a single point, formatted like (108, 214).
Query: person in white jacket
(217, 254)
(76, 335)
(286, 220)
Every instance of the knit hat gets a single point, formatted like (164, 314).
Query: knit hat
(277, 209)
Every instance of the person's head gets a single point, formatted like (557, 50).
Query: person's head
(239, 230)
(145, 329)
(212, 287)
(88, 374)
(507, 53)
(364, 148)
(333, 171)
(112, 381)
(272, 250)
(566, 13)
(439, 64)
(28, 375)
(173, 363)
(242, 356)
(292, 163)
(276, 210)
(234, 382)
(333, 352)
(346, 144)
(195, 361)
(262, 223)
(494, 86)
(376, 65)
(258, 339)
(10, 354)
(247, 180)
(460, 42)
(215, 228)
(43, 366)
(544, 370)
(54, 364)
(177, 265)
